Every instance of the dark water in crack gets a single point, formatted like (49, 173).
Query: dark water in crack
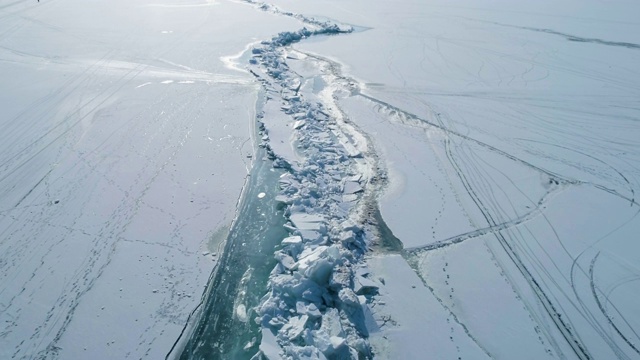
(224, 330)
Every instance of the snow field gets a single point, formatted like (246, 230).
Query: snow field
(508, 130)
(123, 152)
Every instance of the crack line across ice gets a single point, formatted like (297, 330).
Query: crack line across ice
(317, 305)
(203, 297)
(411, 119)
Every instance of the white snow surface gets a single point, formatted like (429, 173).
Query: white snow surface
(124, 137)
(510, 135)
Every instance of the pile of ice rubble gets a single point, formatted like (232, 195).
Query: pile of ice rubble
(317, 305)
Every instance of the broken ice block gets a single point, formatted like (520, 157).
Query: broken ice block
(294, 327)
(364, 286)
(307, 221)
(269, 345)
(351, 187)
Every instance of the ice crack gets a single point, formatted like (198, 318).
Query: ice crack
(317, 304)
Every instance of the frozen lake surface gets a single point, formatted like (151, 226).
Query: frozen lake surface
(511, 136)
(498, 141)
(124, 147)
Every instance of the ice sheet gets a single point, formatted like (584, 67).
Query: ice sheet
(499, 122)
(123, 151)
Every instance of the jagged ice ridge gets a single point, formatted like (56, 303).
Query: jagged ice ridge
(317, 305)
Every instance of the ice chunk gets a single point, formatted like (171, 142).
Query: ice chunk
(294, 84)
(320, 271)
(352, 187)
(362, 271)
(341, 277)
(269, 345)
(351, 150)
(322, 341)
(313, 294)
(349, 198)
(293, 246)
(337, 342)
(299, 116)
(285, 260)
(309, 256)
(348, 297)
(355, 178)
(304, 352)
(331, 324)
(331, 346)
(363, 286)
(370, 322)
(285, 178)
(347, 236)
(294, 328)
(310, 309)
(350, 225)
(241, 312)
(292, 240)
(311, 236)
(307, 221)
(284, 199)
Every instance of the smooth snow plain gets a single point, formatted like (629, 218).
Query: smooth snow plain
(499, 139)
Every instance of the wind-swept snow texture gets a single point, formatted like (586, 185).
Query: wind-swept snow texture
(124, 144)
(510, 133)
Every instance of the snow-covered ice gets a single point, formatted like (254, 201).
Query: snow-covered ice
(459, 178)
(508, 132)
(123, 151)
